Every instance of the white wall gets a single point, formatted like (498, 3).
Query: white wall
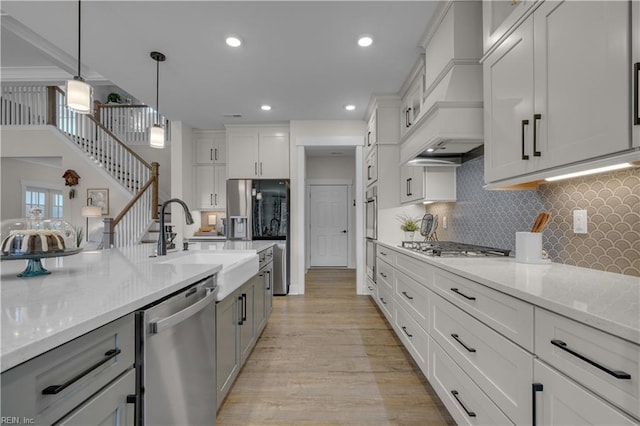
(163, 158)
(182, 179)
(46, 141)
(322, 133)
(334, 167)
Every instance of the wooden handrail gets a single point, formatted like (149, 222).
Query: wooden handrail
(155, 174)
(131, 202)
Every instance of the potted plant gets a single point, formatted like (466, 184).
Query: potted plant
(409, 225)
(113, 98)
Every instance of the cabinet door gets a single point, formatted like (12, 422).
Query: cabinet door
(242, 155)
(268, 295)
(439, 183)
(108, 407)
(562, 402)
(260, 307)
(498, 16)
(371, 131)
(247, 328)
(508, 106)
(581, 80)
(227, 350)
(220, 187)
(274, 156)
(371, 168)
(204, 150)
(204, 186)
(219, 154)
(635, 6)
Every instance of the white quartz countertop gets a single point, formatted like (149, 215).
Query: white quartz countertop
(607, 301)
(83, 292)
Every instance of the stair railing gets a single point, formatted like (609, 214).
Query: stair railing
(26, 105)
(130, 123)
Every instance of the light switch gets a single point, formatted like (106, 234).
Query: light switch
(579, 221)
(444, 222)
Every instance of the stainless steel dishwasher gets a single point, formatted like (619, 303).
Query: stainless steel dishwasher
(176, 358)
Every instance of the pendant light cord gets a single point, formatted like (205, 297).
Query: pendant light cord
(79, 24)
(157, 91)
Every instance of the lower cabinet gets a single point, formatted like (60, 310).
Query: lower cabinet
(84, 381)
(561, 401)
(414, 337)
(240, 319)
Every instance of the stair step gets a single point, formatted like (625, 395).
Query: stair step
(149, 242)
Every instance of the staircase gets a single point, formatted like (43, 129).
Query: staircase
(45, 105)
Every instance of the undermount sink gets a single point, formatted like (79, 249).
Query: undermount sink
(237, 267)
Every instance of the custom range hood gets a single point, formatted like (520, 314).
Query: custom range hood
(450, 123)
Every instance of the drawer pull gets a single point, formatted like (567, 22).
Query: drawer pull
(382, 300)
(455, 336)
(56, 389)
(383, 274)
(455, 290)
(455, 395)
(405, 332)
(536, 387)
(407, 296)
(370, 288)
(383, 253)
(617, 374)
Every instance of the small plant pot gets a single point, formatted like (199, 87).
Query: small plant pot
(408, 235)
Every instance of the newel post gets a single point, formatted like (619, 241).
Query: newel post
(155, 174)
(52, 106)
(108, 234)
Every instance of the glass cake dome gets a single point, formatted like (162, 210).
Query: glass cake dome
(34, 238)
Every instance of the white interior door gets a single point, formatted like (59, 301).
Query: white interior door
(329, 225)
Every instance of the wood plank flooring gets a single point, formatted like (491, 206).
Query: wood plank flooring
(329, 357)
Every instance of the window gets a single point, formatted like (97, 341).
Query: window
(50, 201)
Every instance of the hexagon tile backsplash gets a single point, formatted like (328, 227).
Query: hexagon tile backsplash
(492, 218)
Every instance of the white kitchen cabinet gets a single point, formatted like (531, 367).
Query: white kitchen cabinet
(419, 184)
(560, 401)
(606, 365)
(211, 187)
(371, 166)
(247, 332)
(227, 351)
(370, 139)
(635, 8)
(414, 337)
(256, 153)
(383, 126)
(538, 115)
(211, 147)
(498, 16)
(411, 101)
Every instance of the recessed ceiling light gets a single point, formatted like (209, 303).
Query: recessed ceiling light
(233, 41)
(266, 107)
(365, 40)
(349, 107)
(430, 150)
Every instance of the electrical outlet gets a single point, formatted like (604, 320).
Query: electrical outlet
(444, 222)
(579, 221)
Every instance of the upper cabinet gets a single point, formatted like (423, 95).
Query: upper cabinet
(420, 184)
(499, 16)
(211, 147)
(257, 152)
(412, 92)
(556, 89)
(635, 6)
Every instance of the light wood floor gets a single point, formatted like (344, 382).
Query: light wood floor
(329, 357)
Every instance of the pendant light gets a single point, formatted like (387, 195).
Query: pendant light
(156, 132)
(79, 95)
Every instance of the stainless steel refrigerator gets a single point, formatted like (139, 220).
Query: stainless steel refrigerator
(259, 210)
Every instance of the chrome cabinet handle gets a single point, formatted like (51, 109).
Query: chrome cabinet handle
(56, 389)
(536, 117)
(524, 123)
(615, 373)
(455, 290)
(407, 296)
(455, 336)
(455, 394)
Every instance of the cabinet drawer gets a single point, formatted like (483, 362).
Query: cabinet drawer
(414, 337)
(416, 269)
(413, 297)
(371, 287)
(561, 402)
(386, 303)
(386, 255)
(592, 351)
(502, 369)
(86, 364)
(509, 316)
(465, 401)
(385, 275)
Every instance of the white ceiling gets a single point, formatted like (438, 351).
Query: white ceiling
(301, 57)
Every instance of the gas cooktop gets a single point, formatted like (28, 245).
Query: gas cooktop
(450, 249)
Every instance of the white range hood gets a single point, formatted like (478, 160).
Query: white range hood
(452, 120)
